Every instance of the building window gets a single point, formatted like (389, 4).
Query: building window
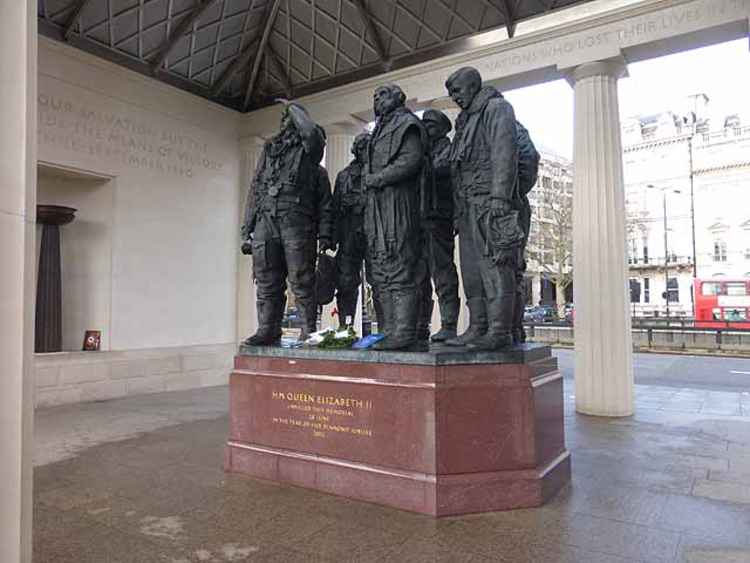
(635, 291)
(633, 254)
(645, 250)
(735, 314)
(736, 288)
(649, 131)
(710, 288)
(646, 290)
(720, 251)
(673, 291)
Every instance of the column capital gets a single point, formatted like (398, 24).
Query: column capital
(614, 67)
(345, 128)
(250, 142)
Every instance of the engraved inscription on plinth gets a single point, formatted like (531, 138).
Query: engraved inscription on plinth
(336, 417)
(319, 416)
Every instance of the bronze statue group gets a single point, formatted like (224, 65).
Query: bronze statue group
(397, 207)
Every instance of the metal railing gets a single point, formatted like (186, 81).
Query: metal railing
(664, 334)
(681, 323)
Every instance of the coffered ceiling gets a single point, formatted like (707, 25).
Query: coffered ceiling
(245, 53)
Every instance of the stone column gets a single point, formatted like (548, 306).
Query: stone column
(338, 148)
(18, 37)
(48, 325)
(603, 349)
(340, 139)
(251, 149)
(536, 289)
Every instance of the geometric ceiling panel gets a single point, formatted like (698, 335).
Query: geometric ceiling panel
(245, 53)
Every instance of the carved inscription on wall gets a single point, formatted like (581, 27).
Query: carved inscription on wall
(322, 416)
(136, 143)
(637, 30)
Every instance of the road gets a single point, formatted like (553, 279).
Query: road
(676, 370)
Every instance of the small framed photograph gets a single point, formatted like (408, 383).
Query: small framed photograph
(92, 340)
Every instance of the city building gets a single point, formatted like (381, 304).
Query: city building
(550, 247)
(676, 231)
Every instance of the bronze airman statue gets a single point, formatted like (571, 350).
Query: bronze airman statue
(348, 210)
(288, 210)
(437, 226)
(396, 156)
(484, 159)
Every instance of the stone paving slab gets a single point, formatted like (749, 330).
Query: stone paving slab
(141, 480)
(63, 431)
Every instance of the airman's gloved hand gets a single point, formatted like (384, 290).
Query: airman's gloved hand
(247, 246)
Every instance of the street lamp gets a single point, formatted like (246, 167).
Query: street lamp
(692, 207)
(693, 130)
(666, 247)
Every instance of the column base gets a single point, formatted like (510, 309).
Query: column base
(596, 412)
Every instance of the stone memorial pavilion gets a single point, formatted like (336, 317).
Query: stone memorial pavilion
(148, 117)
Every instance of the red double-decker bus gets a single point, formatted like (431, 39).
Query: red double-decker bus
(722, 303)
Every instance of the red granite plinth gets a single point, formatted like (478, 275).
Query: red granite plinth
(440, 439)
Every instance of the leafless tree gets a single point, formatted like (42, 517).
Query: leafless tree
(551, 240)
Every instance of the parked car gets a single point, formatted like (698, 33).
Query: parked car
(292, 318)
(549, 313)
(533, 315)
(570, 313)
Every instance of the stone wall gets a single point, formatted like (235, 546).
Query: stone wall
(152, 260)
(73, 377)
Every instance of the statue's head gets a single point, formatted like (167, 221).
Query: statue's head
(387, 98)
(463, 85)
(437, 123)
(359, 146)
(287, 123)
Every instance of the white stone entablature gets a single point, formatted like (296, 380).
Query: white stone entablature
(541, 51)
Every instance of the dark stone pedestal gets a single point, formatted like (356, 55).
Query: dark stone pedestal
(48, 326)
(442, 433)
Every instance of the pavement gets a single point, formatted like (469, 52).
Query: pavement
(140, 479)
(62, 432)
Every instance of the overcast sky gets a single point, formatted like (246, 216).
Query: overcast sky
(721, 71)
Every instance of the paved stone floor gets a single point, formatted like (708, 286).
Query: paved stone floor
(140, 480)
